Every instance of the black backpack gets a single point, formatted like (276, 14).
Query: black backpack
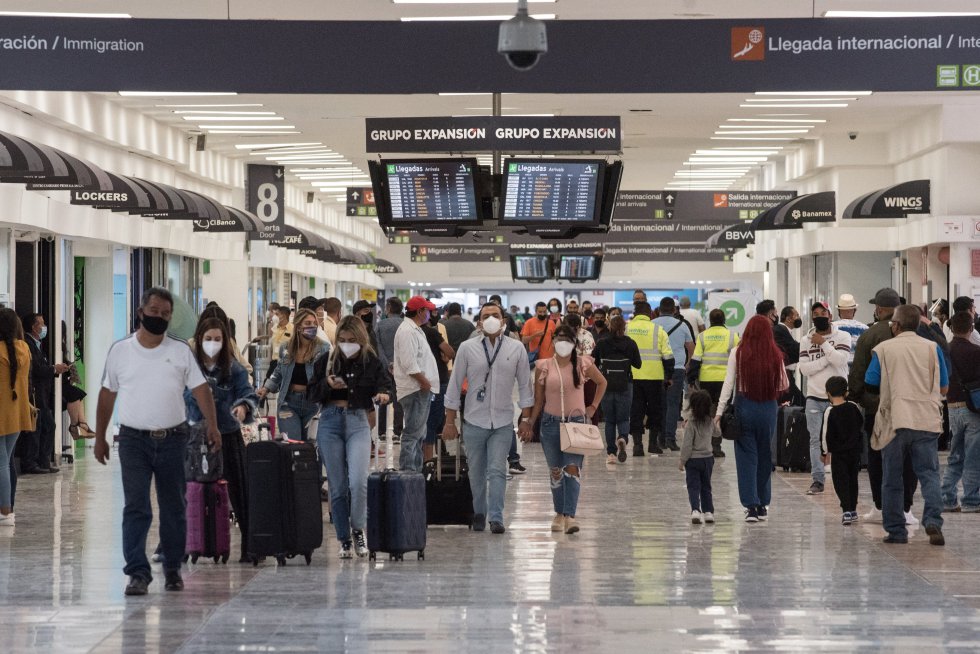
(617, 371)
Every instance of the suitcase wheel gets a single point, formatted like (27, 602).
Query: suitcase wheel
(373, 556)
(185, 558)
(421, 555)
(215, 558)
(309, 557)
(224, 559)
(194, 558)
(281, 560)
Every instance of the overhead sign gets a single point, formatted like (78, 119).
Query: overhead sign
(266, 199)
(732, 237)
(430, 253)
(796, 54)
(809, 208)
(360, 201)
(650, 252)
(487, 133)
(895, 201)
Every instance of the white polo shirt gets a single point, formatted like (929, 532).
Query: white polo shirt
(150, 382)
(412, 356)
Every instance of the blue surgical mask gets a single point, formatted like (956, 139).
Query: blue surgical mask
(44, 333)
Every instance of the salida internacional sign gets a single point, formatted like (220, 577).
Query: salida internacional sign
(599, 134)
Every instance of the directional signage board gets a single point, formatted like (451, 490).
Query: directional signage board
(432, 253)
(360, 201)
(266, 199)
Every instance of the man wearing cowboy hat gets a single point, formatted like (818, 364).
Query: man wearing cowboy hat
(846, 308)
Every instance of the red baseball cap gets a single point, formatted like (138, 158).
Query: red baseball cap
(419, 302)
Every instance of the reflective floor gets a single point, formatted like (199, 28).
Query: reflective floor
(638, 577)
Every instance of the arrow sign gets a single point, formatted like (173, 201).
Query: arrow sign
(669, 199)
(279, 173)
(354, 195)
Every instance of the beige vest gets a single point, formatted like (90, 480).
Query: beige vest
(910, 396)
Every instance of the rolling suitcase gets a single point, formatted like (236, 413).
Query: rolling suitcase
(783, 418)
(396, 513)
(448, 497)
(208, 520)
(285, 518)
(795, 441)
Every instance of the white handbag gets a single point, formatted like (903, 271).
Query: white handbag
(577, 437)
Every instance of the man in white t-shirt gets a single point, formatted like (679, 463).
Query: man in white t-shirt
(416, 374)
(846, 309)
(692, 316)
(963, 303)
(147, 373)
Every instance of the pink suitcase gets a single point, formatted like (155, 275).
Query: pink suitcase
(208, 521)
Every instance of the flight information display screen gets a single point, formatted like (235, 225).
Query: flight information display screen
(585, 267)
(432, 191)
(532, 266)
(542, 191)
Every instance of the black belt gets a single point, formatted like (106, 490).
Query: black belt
(158, 434)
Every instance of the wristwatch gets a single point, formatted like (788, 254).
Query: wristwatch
(525, 419)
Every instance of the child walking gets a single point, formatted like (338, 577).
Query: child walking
(697, 457)
(843, 438)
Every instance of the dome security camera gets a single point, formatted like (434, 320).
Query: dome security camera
(852, 135)
(522, 39)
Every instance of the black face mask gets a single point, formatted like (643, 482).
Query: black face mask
(367, 318)
(587, 313)
(154, 324)
(600, 323)
(542, 316)
(797, 323)
(822, 323)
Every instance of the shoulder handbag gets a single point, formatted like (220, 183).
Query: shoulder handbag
(731, 424)
(577, 437)
(972, 389)
(533, 356)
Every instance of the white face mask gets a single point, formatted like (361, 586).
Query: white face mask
(349, 349)
(564, 348)
(275, 320)
(491, 325)
(211, 348)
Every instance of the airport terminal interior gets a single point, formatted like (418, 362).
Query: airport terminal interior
(438, 159)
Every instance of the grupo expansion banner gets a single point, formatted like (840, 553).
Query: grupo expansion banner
(623, 56)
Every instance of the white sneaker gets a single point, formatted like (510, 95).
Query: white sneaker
(695, 517)
(874, 515)
(709, 517)
(910, 519)
(7, 520)
(611, 459)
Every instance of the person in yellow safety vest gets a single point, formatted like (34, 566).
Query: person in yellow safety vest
(650, 379)
(710, 361)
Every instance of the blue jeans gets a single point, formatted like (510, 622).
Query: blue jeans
(295, 413)
(814, 423)
(924, 449)
(486, 453)
(616, 409)
(565, 486)
(698, 477)
(415, 407)
(7, 443)
(344, 439)
(753, 460)
(964, 459)
(143, 459)
(437, 416)
(672, 414)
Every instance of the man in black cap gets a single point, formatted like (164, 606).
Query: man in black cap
(885, 301)
(365, 311)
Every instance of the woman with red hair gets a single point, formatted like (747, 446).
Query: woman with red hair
(756, 365)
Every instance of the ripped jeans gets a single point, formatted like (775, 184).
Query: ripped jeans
(294, 415)
(565, 483)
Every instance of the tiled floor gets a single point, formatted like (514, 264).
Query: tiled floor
(637, 578)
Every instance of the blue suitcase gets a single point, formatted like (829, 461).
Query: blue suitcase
(396, 516)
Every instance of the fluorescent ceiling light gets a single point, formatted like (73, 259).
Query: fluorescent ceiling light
(203, 106)
(152, 94)
(776, 120)
(425, 19)
(813, 92)
(752, 138)
(268, 127)
(801, 114)
(735, 153)
(466, 2)
(234, 118)
(722, 164)
(252, 133)
(256, 146)
(62, 14)
(795, 106)
(763, 149)
(841, 13)
(208, 113)
(801, 99)
(324, 157)
(739, 128)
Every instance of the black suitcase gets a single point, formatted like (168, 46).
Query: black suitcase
(285, 517)
(795, 440)
(396, 512)
(448, 497)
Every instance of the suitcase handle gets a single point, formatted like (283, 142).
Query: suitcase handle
(459, 456)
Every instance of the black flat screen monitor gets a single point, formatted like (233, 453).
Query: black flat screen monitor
(542, 192)
(579, 267)
(532, 267)
(412, 192)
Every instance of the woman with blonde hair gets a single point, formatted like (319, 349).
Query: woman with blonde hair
(294, 374)
(15, 407)
(348, 383)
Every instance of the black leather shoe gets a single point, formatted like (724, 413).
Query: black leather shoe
(935, 535)
(479, 522)
(497, 528)
(895, 540)
(53, 469)
(137, 586)
(718, 454)
(174, 582)
(36, 471)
